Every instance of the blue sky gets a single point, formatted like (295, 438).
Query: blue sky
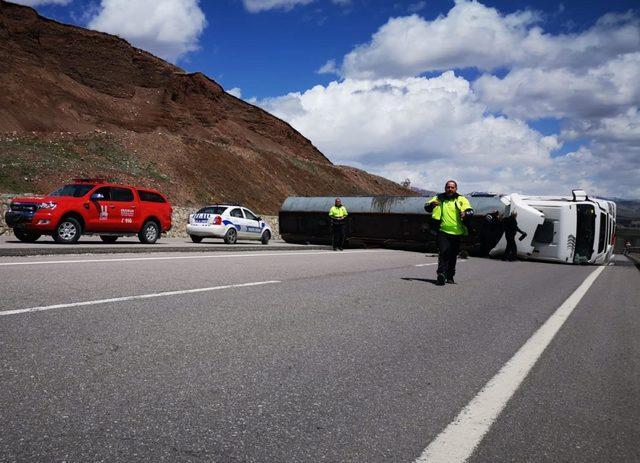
(277, 51)
(530, 96)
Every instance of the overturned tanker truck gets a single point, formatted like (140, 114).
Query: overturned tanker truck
(572, 229)
(388, 221)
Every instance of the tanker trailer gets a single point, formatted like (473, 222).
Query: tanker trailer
(386, 221)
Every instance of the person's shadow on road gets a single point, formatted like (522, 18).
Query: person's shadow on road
(424, 280)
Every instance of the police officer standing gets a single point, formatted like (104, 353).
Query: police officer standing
(449, 210)
(338, 215)
(510, 225)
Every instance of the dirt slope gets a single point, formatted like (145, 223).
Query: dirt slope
(76, 102)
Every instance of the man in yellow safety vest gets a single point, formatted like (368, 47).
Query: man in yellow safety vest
(338, 215)
(449, 210)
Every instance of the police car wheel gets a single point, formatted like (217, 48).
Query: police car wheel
(26, 237)
(266, 236)
(68, 231)
(149, 233)
(108, 239)
(231, 236)
(196, 239)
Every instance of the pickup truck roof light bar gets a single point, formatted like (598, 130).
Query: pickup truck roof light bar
(90, 180)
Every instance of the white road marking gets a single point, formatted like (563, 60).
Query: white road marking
(434, 263)
(458, 440)
(132, 298)
(208, 256)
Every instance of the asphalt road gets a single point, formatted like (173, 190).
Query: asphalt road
(351, 356)
(11, 246)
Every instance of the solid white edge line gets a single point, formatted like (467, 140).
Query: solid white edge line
(131, 298)
(237, 254)
(460, 438)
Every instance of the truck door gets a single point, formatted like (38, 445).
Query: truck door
(101, 211)
(528, 220)
(126, 214)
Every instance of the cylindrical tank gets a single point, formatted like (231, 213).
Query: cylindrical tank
(379, 220)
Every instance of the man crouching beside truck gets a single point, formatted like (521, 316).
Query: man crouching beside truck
(449, 211)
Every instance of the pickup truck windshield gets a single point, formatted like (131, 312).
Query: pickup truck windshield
(76, 191)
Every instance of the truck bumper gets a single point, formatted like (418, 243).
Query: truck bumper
(29, 221)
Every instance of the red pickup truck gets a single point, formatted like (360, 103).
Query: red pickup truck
(91, 207)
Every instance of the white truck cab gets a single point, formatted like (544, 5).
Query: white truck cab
(573, 230)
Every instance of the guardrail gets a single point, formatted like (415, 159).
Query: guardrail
(633, 254)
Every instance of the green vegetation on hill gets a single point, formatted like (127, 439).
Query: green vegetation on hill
(26, 162)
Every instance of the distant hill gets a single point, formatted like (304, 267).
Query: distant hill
(76, 102)
(628, 210)
(422, 192)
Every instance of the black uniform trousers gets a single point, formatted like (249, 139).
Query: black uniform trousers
(337, 233)
(511, 252)
(448, 247)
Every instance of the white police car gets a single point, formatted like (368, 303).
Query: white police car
(228, 222)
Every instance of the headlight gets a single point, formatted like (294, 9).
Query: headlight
(50, 206)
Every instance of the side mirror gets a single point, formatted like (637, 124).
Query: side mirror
(97, 196)
(259, 218)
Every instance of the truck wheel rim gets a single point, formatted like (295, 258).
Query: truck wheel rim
(151, 233)
(67, 231)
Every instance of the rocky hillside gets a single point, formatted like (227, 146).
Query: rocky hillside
(76, 102)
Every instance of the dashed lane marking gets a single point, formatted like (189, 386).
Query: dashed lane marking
(460, 438)
(133, 298)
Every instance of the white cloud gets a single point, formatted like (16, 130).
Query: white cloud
(41, 2)
(472, 35)
(429, 130)
(384, 119)
(328, 68)
(423, 129)
(533, 93)
(415, 7)
(167, 28)
(256, 6)
(235, 91)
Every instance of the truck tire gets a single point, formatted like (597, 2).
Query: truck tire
(196, 238)
(266, 236)
(231, 236)
(108, 239)
(26, 237)
(67, 231)
(149, 233)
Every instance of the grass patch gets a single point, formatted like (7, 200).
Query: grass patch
(26, 162)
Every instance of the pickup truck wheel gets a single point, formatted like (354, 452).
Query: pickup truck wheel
(266, 236)
(231, 236)
(195, 238)
(26, 237)
(68, 231)
(150, 233)
(108, 239)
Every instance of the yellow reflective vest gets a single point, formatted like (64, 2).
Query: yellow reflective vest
(338, 212)
(448, 213)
